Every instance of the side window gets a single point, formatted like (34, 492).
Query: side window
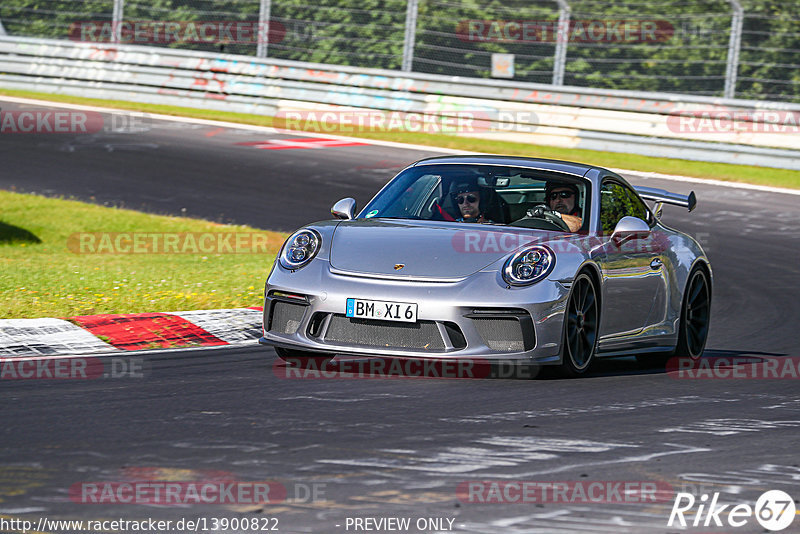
(616, 202)
(636, 206)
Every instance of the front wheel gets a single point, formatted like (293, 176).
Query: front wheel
(695, 316)
(581, 323)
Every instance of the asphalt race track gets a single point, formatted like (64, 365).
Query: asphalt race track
(395, 448)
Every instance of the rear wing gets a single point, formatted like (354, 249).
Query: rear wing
(660, 196)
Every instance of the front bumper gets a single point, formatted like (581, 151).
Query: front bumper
(478, 317)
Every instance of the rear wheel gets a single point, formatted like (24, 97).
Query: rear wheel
(695, 316)
(581, 324)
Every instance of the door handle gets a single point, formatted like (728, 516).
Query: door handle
(656, 263)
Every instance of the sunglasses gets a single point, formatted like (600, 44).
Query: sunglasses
(469, 198)
(560, 194)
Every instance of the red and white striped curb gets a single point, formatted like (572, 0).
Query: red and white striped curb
(91, 334)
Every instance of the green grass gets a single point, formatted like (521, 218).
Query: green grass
(42, 275)
(717, 171)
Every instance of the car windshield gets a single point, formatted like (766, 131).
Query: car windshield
(488, 194)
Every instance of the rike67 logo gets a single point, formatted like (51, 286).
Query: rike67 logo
(774, 510)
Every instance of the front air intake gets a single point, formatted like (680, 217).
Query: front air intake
(501, 334)
(422, 335)
(286, 317)
(504, 330)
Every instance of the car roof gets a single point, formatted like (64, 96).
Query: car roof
(568, 167)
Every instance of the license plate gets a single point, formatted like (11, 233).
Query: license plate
(382, 310)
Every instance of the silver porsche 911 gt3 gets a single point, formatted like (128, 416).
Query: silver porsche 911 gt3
(497, 258)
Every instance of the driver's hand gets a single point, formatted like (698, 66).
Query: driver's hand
(538, 211)
(573, 222)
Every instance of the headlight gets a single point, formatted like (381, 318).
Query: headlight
(300, 248)
(529, 265)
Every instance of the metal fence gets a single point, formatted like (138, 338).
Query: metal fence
(731, 48)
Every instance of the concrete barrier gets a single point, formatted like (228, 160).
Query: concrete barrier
(654, 124)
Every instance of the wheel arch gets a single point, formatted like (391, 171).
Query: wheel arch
(701, 263)
(593, 270)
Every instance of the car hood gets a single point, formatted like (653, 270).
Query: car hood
(425, 249)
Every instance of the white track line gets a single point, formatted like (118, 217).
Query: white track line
(424, 148)
(709, 181)
(133, 353)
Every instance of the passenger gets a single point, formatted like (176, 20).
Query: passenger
(467, 196)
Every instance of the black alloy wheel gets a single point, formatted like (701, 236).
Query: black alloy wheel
(581, 326)
(695, 316)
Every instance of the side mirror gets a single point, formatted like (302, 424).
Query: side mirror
(630, 228)
(344, 209)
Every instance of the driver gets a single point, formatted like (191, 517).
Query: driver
(467, 196)
(562, 198)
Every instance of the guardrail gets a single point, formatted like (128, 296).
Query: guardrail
(653, 124)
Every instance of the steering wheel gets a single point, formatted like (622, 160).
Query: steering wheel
(543, 212)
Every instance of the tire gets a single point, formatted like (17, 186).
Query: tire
(695, 316)
(300, 357)
(581, 324)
